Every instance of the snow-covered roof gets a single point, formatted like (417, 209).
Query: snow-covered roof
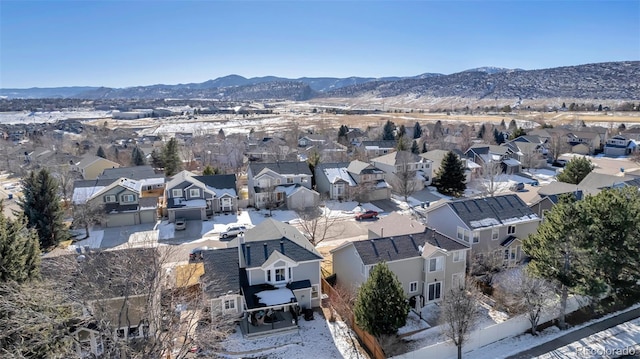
(82, 194)
(340, 173)
(511, 162)
(130, 184)
(152, 181)
(220, 192)
(190, 203)
(275, 296)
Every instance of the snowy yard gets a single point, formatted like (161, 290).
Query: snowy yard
(94, 240)
(317, 338)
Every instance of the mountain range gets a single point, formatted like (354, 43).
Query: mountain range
(610, 80)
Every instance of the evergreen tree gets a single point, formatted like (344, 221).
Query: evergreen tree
(19, 251)
(424, 147)
(221, 135)
(137, 157)
(576, 170)
(313, 161)
(381, 306)
(414, 147)
(437, 130)
(388, 130)
(156, 159)
(210, 171)
(513, 125)
(450, 178)
(101, 152)
(343, 131)
(42, 208)
(402, 132)
(171, 158)
(417, 131)
(503, 126)
(498, 136)
(482, 131)
(517, 133)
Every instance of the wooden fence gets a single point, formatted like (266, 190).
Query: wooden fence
(367, 340)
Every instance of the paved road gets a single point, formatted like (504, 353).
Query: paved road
(577, 335)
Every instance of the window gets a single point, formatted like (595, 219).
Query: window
(134, 332)
(511, 230)
(290, 274)
(229, 304)
(476, 237)
(269, 275)
(461, 233)
(413, 287)
(194, 192)
(280, 275)
(315, 292)
(176, 193)
(435, 264)
(110, 198)
(435, 291)
(458, 256)
(128, 198)
(120, 333)
(289, 180)
(495, 233)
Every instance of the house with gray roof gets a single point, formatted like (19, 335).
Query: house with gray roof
(619, 146)
(427, 263)
(377, 148)
(152, 182)
(353, 180)
(486, 155)
(275, 184)
(594, 182)
(491, 226)
(396, 163)
(269, 274)
(199, 197)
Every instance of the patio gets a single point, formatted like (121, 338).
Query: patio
(270, 322)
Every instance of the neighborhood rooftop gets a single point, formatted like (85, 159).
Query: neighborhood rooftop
(492, 211)
(256, 253)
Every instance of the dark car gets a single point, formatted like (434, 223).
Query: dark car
(366, 215)
(196, 253)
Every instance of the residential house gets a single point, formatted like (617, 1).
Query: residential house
(377, 148)
(90, 166)
(549, 194)
(269, 275)
(312, 140)
(371, 184)
(436, 156)
(427, 263)
(489, 155)
(281, 183)
(584, 142)
(396, 163)
(199, 197)
(531, 151)
(270, 149)
(632, 132)
(594, 182)
(121, 200)
(618, 146)
(333, 180)
(152, 182)
(492, 226)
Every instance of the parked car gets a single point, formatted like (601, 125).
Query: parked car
(181, 224)
(196, 253)
(233, 230)
(366, 215)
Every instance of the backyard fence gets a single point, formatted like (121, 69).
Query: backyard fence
(368, 341)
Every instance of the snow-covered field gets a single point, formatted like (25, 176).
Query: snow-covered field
(47, 117)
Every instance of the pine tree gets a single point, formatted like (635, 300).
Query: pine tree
(517, 133)
(19, 251)
(402, 132)
(414, 147)
(576, 170)
(171, 158)
(101, 152)
(482, 131)
(42, 208)
(156, 159)
(498, 136)
(387, 131)
(381, 306)
(137, 157)
(417, 131)
(210, 171)
(424, 147)
(450, 178)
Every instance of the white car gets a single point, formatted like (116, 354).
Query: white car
(233, 230)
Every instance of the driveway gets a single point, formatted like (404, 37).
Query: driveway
(192, 232)
(116, 236)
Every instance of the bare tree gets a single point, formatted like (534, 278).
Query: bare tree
(525, 294)
(557, 145)
(65, 178)
(315, 223)
(459, 313)
(489, 180)
(404, 182)
(88, 213)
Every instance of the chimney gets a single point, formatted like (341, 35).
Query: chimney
(381, 232)
(266, 253)
(282, 246)
(248, 254)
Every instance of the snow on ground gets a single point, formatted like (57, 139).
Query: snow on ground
(46, 117)
(350, 207)
(317, 338)
(414, 324)
(166, 230)
(542, 174)
(522, 342)
(94, 240)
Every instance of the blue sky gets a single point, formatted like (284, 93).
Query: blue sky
(129, 43)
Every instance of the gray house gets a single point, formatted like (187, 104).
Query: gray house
(395, 163)
(492, 226)
(281, 183)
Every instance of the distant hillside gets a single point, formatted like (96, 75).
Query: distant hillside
(611, 80)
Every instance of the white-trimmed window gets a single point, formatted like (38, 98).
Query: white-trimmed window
(280, 275)
(413, 287)
(476, 237)
(111, 198)
(495, 233)
(176, 193)
(229, 304)
(127, 198)
(458, 256)
(461, 234)
(511, 230)
(435, 264)
(315, 291)
(289, 180)
(194, 192)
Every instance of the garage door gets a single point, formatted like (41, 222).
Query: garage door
(119, 220)
(189, 213)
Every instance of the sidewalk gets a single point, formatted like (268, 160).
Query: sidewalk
(577, 335)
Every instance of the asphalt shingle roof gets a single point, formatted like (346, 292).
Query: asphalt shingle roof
(221, 272)
(283, 168)
(492, 211)
(135, 173)
(257, 252)
(218, 181)
(373, 251)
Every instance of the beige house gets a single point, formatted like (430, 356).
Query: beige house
(275, 184)
(90, 166)
(396, 163)
(426, 263)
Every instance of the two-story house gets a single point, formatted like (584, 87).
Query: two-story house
(334, 180)
(371, 184)
(377, 148)
(199, 197)
(397, 163)
(121, 200)
(584, 142)
(152, 182)
(281, 183)
(277, 275)
(618, 146)
(436, 157)
(90, 166)
(488, 156)
(492, 226)
(426, 263)
(531, 151)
